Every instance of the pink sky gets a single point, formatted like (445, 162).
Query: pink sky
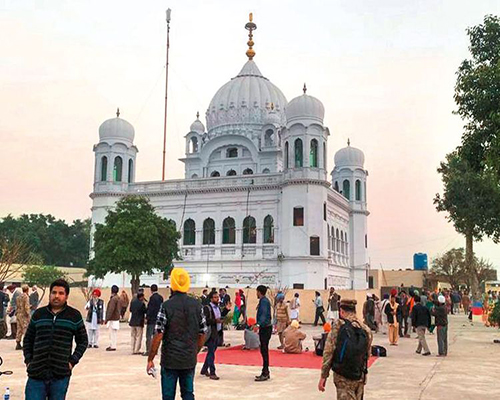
(385, 72)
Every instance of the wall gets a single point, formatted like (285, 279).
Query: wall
(307, 309)
(395, 278)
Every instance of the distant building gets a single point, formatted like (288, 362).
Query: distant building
(256, 204)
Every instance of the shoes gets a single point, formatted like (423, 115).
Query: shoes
(110, 349)
(89, 346)
(427, 354)
(280, 347)
(262, 378)
(214, 377)
(96, 346)
(418, 352)
(145, 354)
(18, 346)
(10, 337)
(204, 373)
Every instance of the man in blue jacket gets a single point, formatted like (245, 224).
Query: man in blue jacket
(265, 328)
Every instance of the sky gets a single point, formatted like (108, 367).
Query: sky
(384, 70)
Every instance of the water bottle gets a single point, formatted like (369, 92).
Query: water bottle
(6, 396)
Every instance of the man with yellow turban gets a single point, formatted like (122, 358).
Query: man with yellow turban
(180, 329)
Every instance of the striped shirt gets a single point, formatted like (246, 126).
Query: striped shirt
(48, 343)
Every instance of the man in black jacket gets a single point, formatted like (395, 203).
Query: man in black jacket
(180, 329)
(137, 316)
(48, 345)
(214, 317)
(421, 320)
(441, 315)
(154, 304)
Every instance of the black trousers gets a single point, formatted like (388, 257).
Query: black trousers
(265, 337)
(319, 314)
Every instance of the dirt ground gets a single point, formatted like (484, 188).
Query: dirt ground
(468, 372)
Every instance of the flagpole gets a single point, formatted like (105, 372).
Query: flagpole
(169, 11)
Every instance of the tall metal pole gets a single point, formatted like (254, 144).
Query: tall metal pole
(169, 11)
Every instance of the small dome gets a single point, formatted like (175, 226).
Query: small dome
(197, 126)
(305, 107)
(349, 157)
(116, 129)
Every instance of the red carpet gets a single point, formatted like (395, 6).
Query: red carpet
(237, 356)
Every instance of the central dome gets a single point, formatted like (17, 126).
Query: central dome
(245, 100)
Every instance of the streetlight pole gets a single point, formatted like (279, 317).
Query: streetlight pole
(169, 12)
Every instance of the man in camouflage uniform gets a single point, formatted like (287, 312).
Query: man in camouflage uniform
(23, 314)
(346, 389)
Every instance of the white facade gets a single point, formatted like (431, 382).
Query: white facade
(255, 205)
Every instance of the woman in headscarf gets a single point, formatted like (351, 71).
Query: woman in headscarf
(237, 308)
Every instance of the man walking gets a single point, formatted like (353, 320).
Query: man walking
(441, 315)
(34, 299)
(124, 302)
(347, 349)
(23, 314)
(369, 312)
(180, 329)
(48, 345)
(421, 320)
(405, 314)
(137, 316)
(154, 304)
(318, 304)
(282, 318)
(4, 300)
(113, 317)
(214, 317)
(265, 328)
(11, 311)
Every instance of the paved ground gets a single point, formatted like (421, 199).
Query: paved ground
(469, 372)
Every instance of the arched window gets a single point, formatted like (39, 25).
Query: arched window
(328, 234)
(231, 172)
(130, 170)
(194, 176)
(228, 231)
(249, 230)
(299, 154)
(286, 155)
(342, 242)
(193, 145)
(117, 169)
(266, 171)
(337, 240)
(346, 189)
(268, 229)
(358, 189)
(189, 233)
(247, 171)
(232, 152)
(214, 174)
(364, 191)
(209, 231)
(104, 168)
(313, 154)
(336, 186)
(333, 238)
(324, 155)
(268, 138)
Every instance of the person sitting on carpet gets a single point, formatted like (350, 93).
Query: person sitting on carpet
(292, 338)
(252, 341)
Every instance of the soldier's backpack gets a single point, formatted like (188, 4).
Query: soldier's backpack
(350, 358)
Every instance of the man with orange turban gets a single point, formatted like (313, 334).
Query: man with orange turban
(95, 317)
(180, 329)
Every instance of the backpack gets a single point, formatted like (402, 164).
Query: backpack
(350, 357)
(379, 351)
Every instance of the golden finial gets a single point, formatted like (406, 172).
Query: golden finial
(272, 106)
(250, 27)
(304, 88)
(117, 112)
(348, 142)
(197, 115)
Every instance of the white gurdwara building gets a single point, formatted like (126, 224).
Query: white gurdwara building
(256, 205)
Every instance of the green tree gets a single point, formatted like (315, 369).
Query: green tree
(470, 200)
(135, 240)
(42, 276)
(451, 267)
(477, 94)
(54, 240)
